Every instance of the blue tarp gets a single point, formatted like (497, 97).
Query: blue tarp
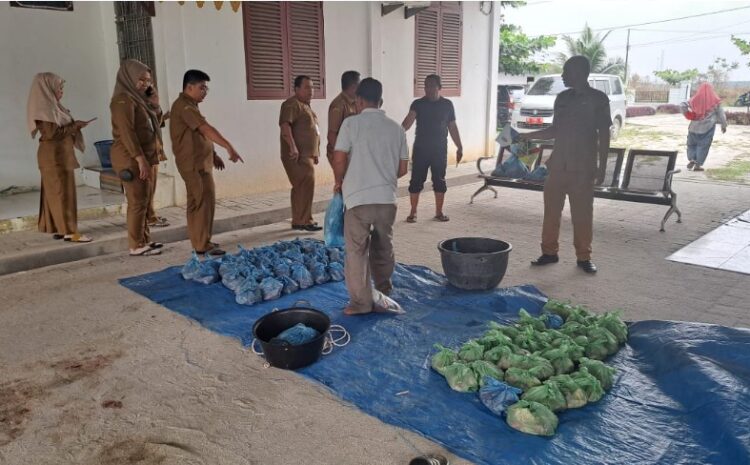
(681, 394)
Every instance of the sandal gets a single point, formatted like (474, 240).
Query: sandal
(698, 168)
(442, 218)
(145, 251)
(411, 219)
(57, 237)
(212, 251)
(156, 245)
(160, 222)
(77, 238)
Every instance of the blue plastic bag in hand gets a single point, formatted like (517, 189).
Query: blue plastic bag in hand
(192, 269)
(298, 334)
(302, 276)
(498, 396)
(333, 232)
(271, 288)
(336, 270)
(249, 293)
(290, 285)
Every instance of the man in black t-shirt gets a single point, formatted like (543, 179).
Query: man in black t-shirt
(435, 119)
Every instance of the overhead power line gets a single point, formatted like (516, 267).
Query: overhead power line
(655, 22)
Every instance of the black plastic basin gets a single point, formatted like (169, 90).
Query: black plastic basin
(291, 357)
(474, 263)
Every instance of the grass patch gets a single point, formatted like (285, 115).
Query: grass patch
(735, 171)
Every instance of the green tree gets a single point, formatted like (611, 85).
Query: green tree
(674, 78)
(744, 46)
(518, 52)
(592, 47)
(718, 72)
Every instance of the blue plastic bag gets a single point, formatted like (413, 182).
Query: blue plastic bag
(336, 270)
(498, 396)
(539, 174)
(552, 320)
(298, 334)
(319, 274)
(282, 269)
(249, 293)
(192, 268)
(234, 278)
(290, 285)
(333, 228)
(302, 276)
(336, 254)
(513, 167)
(271, 288)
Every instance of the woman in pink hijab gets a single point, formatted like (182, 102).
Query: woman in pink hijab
(705, 112)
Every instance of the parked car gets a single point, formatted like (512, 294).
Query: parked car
(537, 110)
(508, 96)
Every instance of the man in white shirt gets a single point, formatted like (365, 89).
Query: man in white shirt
(370, 155)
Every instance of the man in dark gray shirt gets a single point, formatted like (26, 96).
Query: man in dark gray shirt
(580, 128)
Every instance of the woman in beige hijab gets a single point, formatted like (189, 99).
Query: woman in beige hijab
(59, 134)
(136, 130)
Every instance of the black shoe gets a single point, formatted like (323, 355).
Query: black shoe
(545, 260)
(587, 266)
(307, 227)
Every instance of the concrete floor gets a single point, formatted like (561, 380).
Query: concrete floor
(27, 204)
(93, 374)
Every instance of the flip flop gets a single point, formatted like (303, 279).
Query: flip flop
(159, 223)
(441, 218)
(77, 238)
(57, 237)
(411, 219)
(156, 245)
(145, 252)
(348, 311)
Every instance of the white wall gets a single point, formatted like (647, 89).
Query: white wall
(67, 43)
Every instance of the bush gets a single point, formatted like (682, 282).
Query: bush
(738, 117)
(668, 109)
(632, 112)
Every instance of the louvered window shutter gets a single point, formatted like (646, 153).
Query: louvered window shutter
(283, 40)
(306, 43)
(437, 47)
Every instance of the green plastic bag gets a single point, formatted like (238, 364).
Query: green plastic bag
(494, 338)
(525, 319)
(498, 353)
(574, 329)
(604, 373)
(590, 385)
(509, 331)
(483, 368)
(575, 397)
(615, 325)
(560, 360)
(471, 351)
(601, 333)
(461, 378)
(527, 339)
(548, 394)
(443, 358)
(542, 371)
(559, 307)
(532, 418)
(521, 379)
(508, 360)
(597, 349)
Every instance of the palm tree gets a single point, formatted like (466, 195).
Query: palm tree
(591, 46)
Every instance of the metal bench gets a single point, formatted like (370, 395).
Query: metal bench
(646, 178)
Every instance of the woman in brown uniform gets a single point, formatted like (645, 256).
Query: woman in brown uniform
(59, 134)
(136, 123)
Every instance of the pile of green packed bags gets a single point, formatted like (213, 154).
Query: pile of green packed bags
(554, 359)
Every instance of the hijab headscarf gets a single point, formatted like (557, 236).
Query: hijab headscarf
(126, 83)
(44, 106)
(704, 101)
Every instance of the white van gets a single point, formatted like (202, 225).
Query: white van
(536, 110)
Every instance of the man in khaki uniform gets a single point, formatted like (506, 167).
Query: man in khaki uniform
(300, 151)
(342, 107)
(192, 144)
(581, 132)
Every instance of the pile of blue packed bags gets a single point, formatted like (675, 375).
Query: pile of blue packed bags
(513, 167)
(267, 273)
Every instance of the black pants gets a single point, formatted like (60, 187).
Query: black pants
(434, 159)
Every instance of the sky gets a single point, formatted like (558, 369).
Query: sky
(682, 44)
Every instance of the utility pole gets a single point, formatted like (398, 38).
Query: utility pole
(627, 53)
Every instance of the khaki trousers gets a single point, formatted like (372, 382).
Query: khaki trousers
(58, 210)
(151, 214)
(301, 174)
(579, 188)
(201, 203)
(138, 194)
(368, 236)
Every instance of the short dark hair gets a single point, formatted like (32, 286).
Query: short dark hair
(581, 63)
(348, 79)
(370, 90)
(194, 76)
(299, 80)
(435, 78)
